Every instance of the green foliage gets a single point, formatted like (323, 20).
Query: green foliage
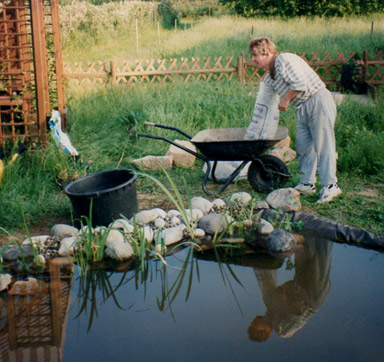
(293, 8)
(168, 14)
(360, 136)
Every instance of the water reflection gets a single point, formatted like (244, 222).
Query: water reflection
(32, 322)
(291, 304)
(213, 305)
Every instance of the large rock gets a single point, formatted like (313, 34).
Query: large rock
(285, 199)
(280, 241)
(213, 223)
(285, 142)
(15, 252)
(153, 163)
(64, 231)
(180, 157)
(285, 154)
(194, 215)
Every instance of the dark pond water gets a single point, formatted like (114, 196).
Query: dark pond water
(324, 303)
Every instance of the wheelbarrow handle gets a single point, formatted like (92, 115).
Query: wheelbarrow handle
(168, 127)
(148, 135)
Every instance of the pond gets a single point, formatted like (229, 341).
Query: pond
(323, 303)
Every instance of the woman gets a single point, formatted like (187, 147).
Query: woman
(298, 84)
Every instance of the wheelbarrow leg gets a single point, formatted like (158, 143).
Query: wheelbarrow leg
(230, 178)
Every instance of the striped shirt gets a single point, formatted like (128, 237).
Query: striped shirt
(293, 73)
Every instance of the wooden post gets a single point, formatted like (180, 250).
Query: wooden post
(240, 69)
(175, 24)
(113, 73)
(57, 44)
(137, 35)
(41, 68)
(372, 29)
(158, 33)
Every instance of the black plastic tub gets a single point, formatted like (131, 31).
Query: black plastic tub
(113, 194)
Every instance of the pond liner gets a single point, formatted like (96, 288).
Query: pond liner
(331, 229)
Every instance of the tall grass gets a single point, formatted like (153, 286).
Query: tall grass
(225, 36)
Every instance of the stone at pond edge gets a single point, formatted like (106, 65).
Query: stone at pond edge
(172, 235)
(212, 223)
(64, 231)
(67, 246)
(280, 241)
(14, 252)
(285, 199)
(265, 227)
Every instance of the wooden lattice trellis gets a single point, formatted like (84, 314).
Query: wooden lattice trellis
(30, 68)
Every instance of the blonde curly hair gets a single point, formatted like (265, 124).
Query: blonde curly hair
(262, 46)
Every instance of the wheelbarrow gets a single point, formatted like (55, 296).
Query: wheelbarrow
(265, 173)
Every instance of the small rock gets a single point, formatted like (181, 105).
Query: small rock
(175, 221)
(172, 235)
(265, 227)
(199, 233)
(160, 249)
(202, 204)
(285, 199)
(39, 260)
(67, 246)
(194, 215)
(122, 224)
(160, 212)
(240, 197)
(64, 231)
(147, 233)
(280, 240)
(36, 240)
(160, 223)
(27, 287)
(219, 203)
(118, 250)
(261, 204)
(114, 236)
(145, 217)
(285, 142)
(5, 280)
(173, 212)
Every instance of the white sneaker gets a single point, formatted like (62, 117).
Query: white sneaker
(306, 189)
(328, 193)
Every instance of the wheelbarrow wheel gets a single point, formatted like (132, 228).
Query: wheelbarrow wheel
(267, 172)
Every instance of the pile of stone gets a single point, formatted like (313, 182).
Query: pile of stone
(161, 228)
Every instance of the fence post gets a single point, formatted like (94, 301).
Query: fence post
(113, 73)
(365, 65)
(240, 69)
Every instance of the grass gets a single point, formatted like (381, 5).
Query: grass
(225, 36)
(104, 123)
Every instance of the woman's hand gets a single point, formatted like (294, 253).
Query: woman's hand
(283, 105)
